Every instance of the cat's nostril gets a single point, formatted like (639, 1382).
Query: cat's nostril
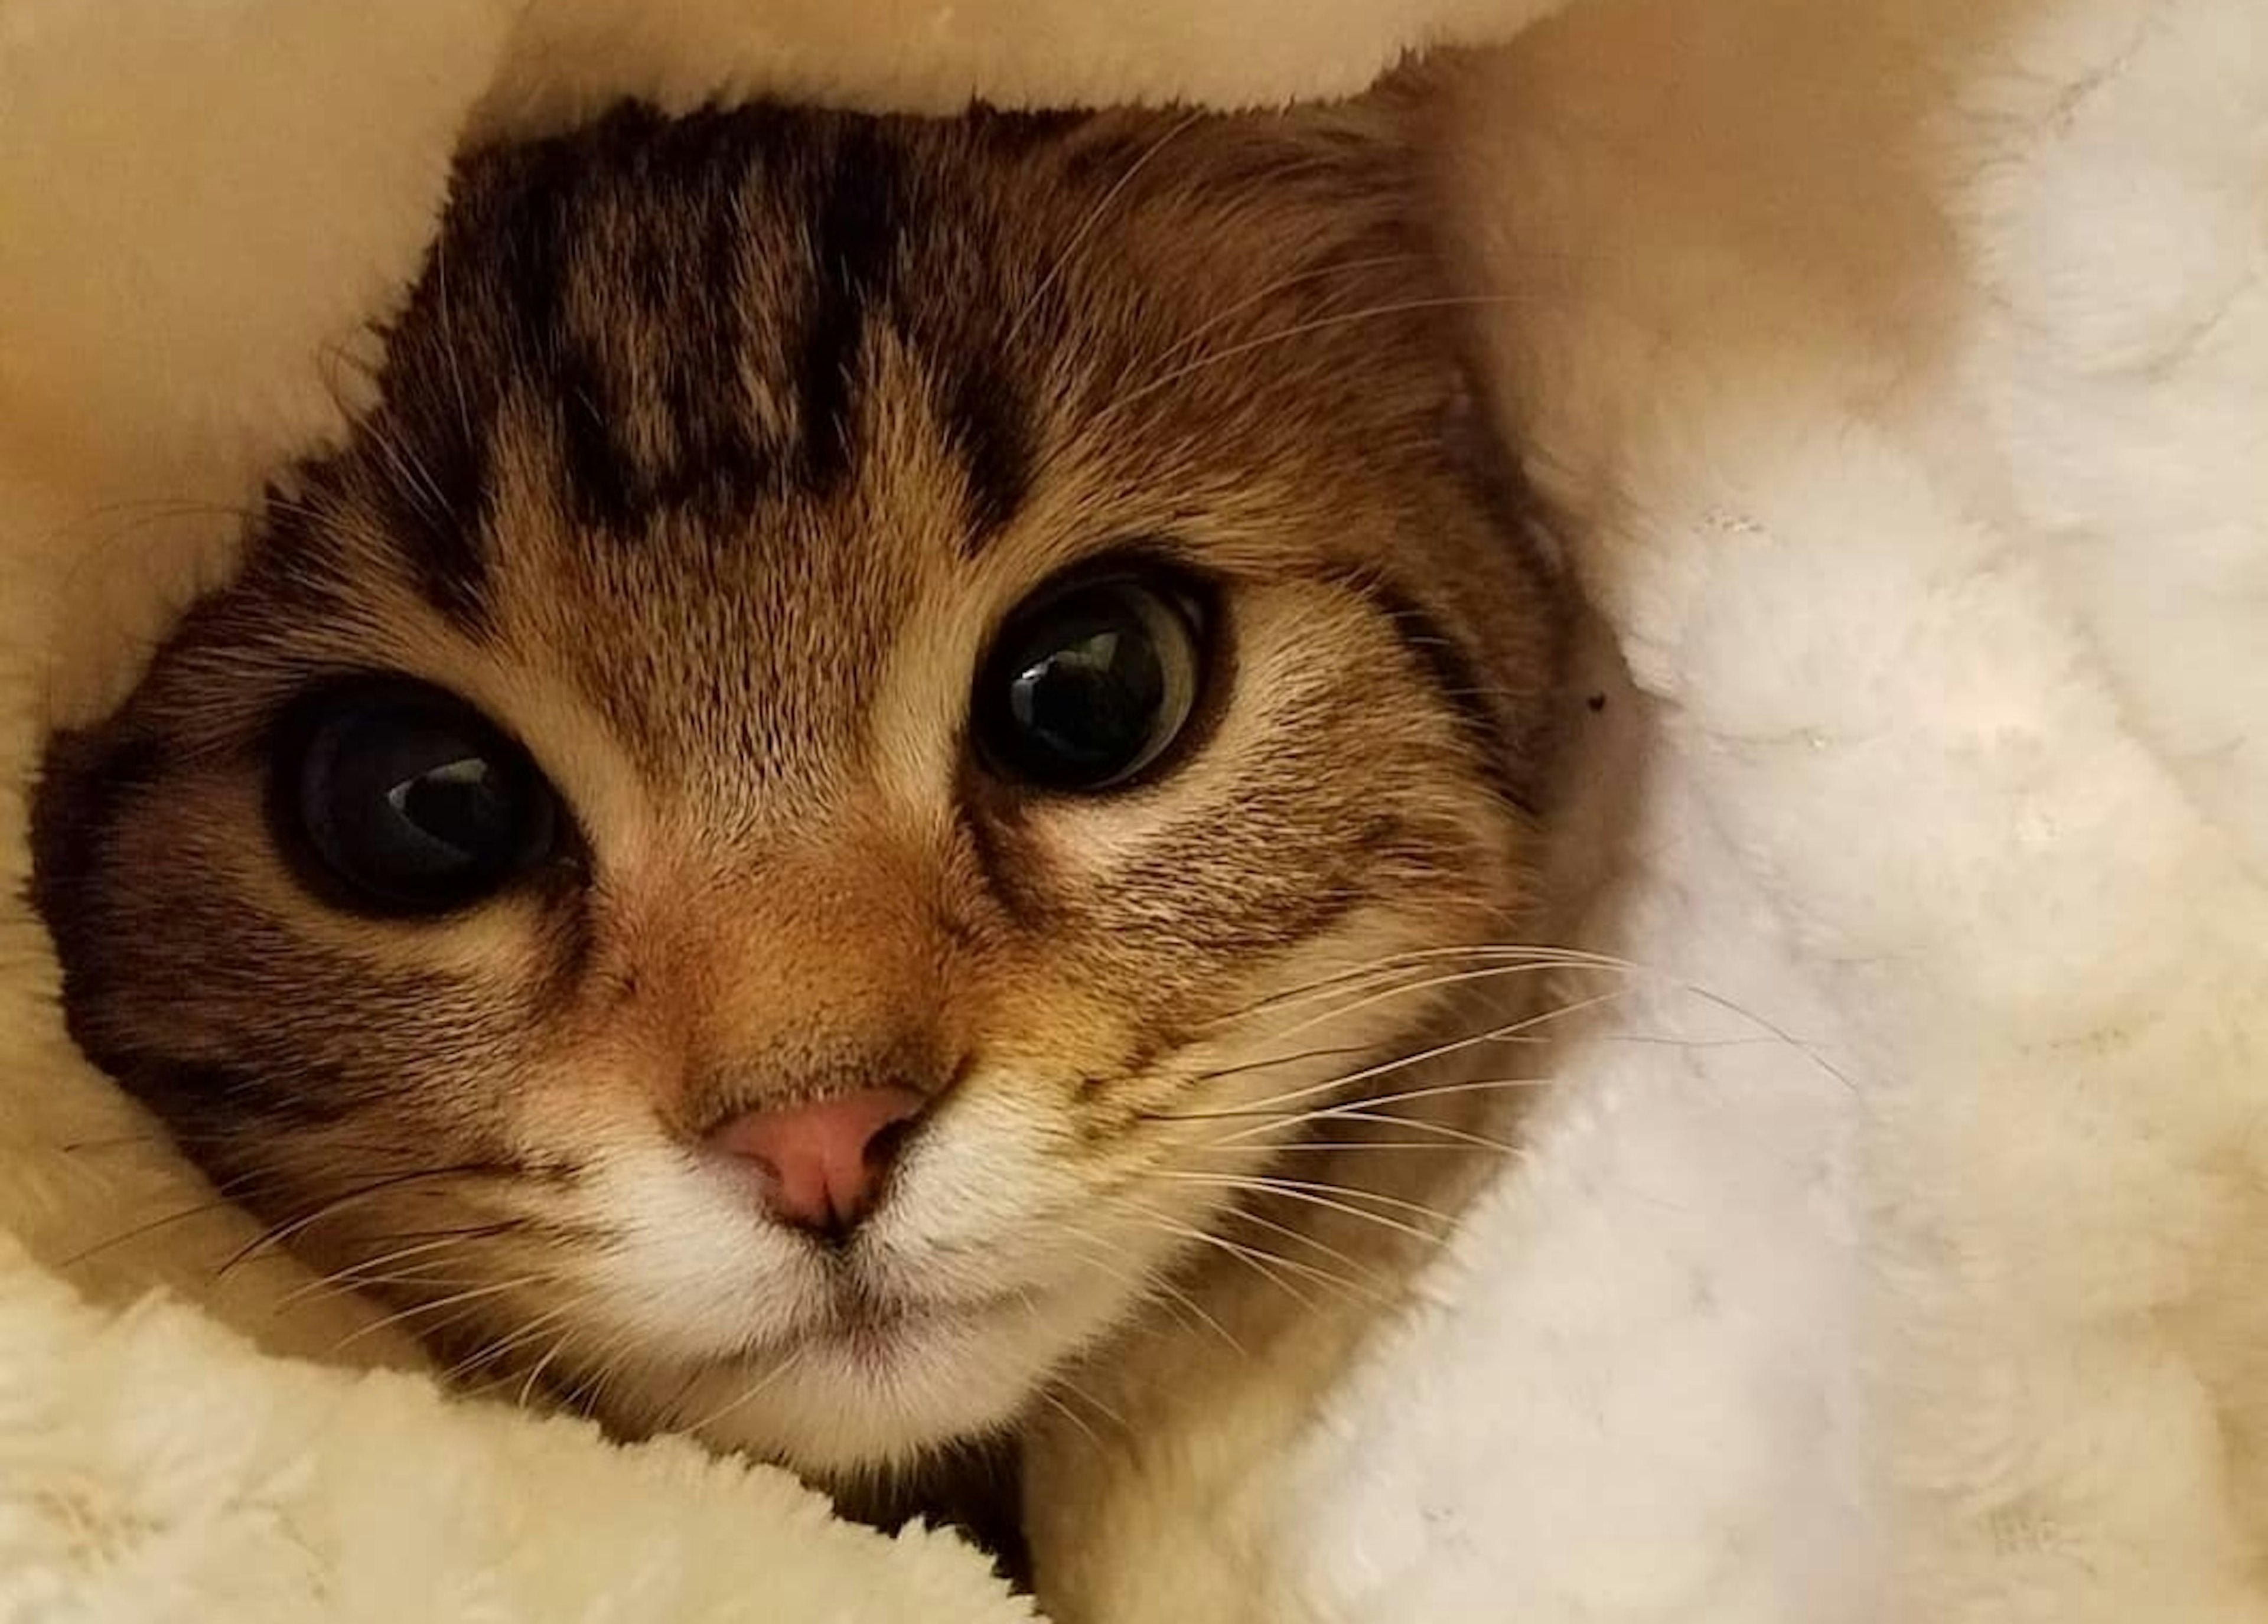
(822, 1163)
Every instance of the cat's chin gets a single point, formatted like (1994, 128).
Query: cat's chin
(887, 1389)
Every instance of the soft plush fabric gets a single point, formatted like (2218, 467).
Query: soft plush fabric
(1898, 371)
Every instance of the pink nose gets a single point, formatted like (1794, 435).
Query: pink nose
(822, 1163)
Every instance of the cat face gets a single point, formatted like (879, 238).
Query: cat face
(736, 848)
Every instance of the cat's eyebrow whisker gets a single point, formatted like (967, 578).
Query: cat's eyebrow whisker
(1300, 329)
(1283, 284)
(1094, 217)
(449, 339)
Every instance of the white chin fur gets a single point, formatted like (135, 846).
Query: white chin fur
(695, 1283)
(836, 1406)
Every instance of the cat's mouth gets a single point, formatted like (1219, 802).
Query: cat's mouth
(868, 1323)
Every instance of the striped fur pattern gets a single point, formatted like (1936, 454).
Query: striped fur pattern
(705, 457)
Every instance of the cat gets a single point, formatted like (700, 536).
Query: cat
(862, 779)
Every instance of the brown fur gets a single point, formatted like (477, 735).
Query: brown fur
(707, 455)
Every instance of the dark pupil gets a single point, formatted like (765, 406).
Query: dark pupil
(1085, 695)
(413, 807)
(452, 813)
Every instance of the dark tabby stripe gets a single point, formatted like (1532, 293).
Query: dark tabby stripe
(989, 424)
(1452, 675)
(536, 228)
(857, 221)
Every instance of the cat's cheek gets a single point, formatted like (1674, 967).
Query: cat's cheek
(996, 1158)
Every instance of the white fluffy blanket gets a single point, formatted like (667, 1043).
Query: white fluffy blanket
(1901, 369)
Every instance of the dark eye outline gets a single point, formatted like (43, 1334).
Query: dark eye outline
(1193, 599)
(300, 728)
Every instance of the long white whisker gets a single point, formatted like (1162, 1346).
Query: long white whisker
(770, 1378)
(1387, 1068)
(1337, 1198)
(418, 1311)
(1300, 329)
(1093, 217)
(1268, 1264)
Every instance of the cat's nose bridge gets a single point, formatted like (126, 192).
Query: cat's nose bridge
(810, 981)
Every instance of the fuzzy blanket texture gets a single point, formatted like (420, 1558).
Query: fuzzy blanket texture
(1898, 370)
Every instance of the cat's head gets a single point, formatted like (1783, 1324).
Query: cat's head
(752, 842)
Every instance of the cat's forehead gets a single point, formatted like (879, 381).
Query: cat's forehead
(710, 417)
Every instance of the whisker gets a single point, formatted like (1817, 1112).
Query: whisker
(1334, 1197)
(1333, 1146)
(1368, 1109)
(495, 1349)
(1046, 1396)
(151, 1227)
(419, 1310)
(449, 340)
(1266, 1264)
(534, 1382)
(1300, 329)
(360, 1273)
(1443, 1132)
(1336, 1254)
(1072, 1389)
(1183, 1303)
(1093, 217)
(282, 1232)
(747, 1395)
(1387, 1068)
(606, 1362)
(1431, 983)
(1414, 960)
(1283, 284)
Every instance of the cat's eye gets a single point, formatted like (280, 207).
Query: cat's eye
(1089, 684)
(411, 800)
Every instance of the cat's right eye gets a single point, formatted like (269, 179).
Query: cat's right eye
(1090, 682)
(411, 801)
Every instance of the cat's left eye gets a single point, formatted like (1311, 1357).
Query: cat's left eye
(411, 800)
(1089, 685)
